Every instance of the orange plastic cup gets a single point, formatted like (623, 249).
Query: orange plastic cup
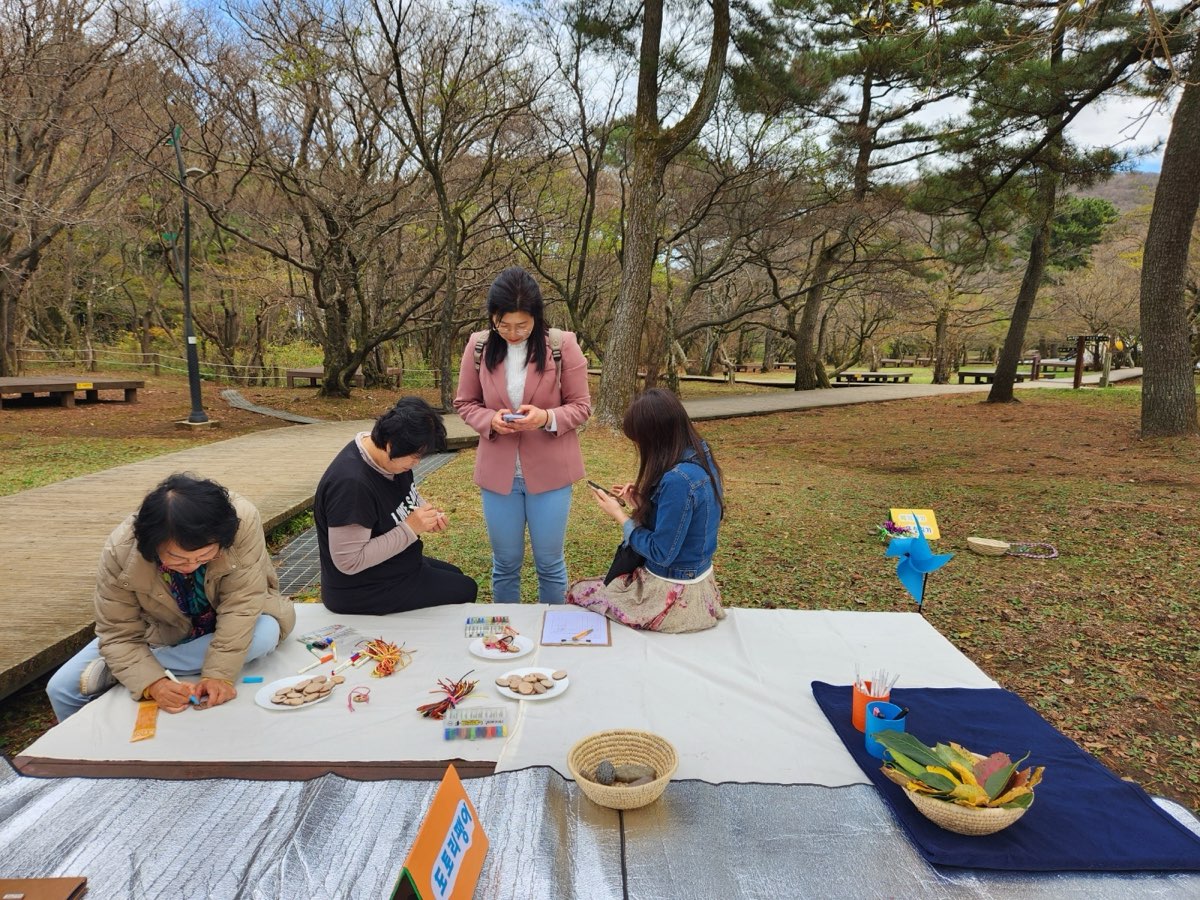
(858, 709)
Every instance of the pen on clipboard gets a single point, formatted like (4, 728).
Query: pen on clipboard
(581, 635)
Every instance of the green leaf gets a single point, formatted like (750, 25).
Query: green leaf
(936, 781)
(905, 743)
(998, 781)
(911, 768)
(1021, 802)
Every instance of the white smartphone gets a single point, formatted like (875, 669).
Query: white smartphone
(513, 417)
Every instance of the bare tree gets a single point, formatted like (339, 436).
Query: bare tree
(63, 95)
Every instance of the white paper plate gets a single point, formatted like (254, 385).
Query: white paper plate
(524, 648)
(559, 686)
(264, 695)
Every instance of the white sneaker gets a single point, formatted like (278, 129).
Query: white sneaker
(96, 678)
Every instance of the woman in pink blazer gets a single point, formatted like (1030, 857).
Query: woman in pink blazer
(524, 388)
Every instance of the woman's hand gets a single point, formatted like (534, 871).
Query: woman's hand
(627, 493)
(171, 696)
(499, 425)
(214, 692)
(610, 506)
(425, 519)
(534, 419)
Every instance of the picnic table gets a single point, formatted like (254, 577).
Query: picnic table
(851, 376)
(64, 387)
(913, 361)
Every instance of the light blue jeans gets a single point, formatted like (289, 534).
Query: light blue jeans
(545, 514)
(182, 659)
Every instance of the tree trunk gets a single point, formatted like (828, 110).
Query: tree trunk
(768, 351)
(810, 371)
(941, 350)
(653, 148)
(1035, 268)
(1168, 380)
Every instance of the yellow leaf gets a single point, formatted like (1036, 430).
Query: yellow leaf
(1009, 796)
(968, 777)
(945, 772)
(969, 795)
(920, 787)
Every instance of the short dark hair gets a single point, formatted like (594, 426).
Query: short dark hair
(411, 426)
(515, 290)
(193, 512)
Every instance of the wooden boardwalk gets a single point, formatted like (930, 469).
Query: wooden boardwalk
(51, 537)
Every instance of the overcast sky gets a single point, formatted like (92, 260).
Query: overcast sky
(1126, 123)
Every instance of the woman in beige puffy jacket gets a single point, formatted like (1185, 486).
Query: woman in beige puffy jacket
(185, 586)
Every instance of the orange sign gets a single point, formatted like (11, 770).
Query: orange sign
(925, 516)
(447, 856)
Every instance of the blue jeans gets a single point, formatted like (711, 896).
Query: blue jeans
(507, 516)
(182, 659)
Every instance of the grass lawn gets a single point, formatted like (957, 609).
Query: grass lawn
(1104, 640)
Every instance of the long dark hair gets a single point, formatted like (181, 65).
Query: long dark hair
(659, 425)
(514, 290)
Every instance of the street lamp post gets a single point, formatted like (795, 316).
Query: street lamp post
(197, 415)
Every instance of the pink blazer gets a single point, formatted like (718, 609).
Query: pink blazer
(549, 459)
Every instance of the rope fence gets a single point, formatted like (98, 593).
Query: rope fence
(159, 363)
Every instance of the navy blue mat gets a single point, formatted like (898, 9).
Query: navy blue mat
(1084, 817)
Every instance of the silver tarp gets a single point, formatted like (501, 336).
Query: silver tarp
(334, 838)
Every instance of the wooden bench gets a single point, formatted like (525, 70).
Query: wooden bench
(64, 387)
(1056, 366)
(896, 363)
(315, 374)
(983, 376)
(860, 377)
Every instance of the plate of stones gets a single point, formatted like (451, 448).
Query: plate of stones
(519, 676)
(325, 687)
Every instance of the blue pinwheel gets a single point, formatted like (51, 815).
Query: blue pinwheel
(917, 560)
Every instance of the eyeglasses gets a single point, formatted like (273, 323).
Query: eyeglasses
(506, 328)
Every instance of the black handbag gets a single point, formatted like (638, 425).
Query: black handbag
(626, 559)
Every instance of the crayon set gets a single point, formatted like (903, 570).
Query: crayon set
(482, 626)
(475, 723)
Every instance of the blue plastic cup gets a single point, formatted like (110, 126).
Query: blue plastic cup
(881, 716)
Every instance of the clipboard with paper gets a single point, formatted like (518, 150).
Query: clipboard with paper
(574, 627)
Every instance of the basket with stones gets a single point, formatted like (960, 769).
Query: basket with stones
(310, 690)
(622, 768)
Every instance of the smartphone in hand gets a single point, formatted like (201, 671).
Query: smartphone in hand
(513, 417)
(605, 491)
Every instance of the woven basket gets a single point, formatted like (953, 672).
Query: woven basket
(621, 747)
(964, 819)
(987, 547)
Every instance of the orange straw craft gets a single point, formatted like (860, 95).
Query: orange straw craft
(454, 692)
(387, 656)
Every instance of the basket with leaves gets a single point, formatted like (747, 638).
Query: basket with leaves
(959, 790)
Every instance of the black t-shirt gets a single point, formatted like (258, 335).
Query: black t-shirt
(353, 493)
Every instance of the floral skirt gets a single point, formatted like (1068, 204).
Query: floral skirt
(642, 600)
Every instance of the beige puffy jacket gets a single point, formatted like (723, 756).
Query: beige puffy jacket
(135, 611)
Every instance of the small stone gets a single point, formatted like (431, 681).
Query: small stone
(312, 689)
(525, 688)
(546, 683)
(559, 675)
(293, 701)
(319, 679)
(539, 688)
(301, 685)
(338, 679)
(645, 779)
(631, 772)
(502, 681)
(605, 773)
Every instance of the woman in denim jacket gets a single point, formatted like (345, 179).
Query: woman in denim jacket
(676, 508)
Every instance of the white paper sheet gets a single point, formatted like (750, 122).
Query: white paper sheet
(575, 626)
(734, 700)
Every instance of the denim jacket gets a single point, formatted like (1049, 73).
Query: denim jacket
(686, 519)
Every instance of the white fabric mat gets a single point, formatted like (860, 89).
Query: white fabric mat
(734, 700)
